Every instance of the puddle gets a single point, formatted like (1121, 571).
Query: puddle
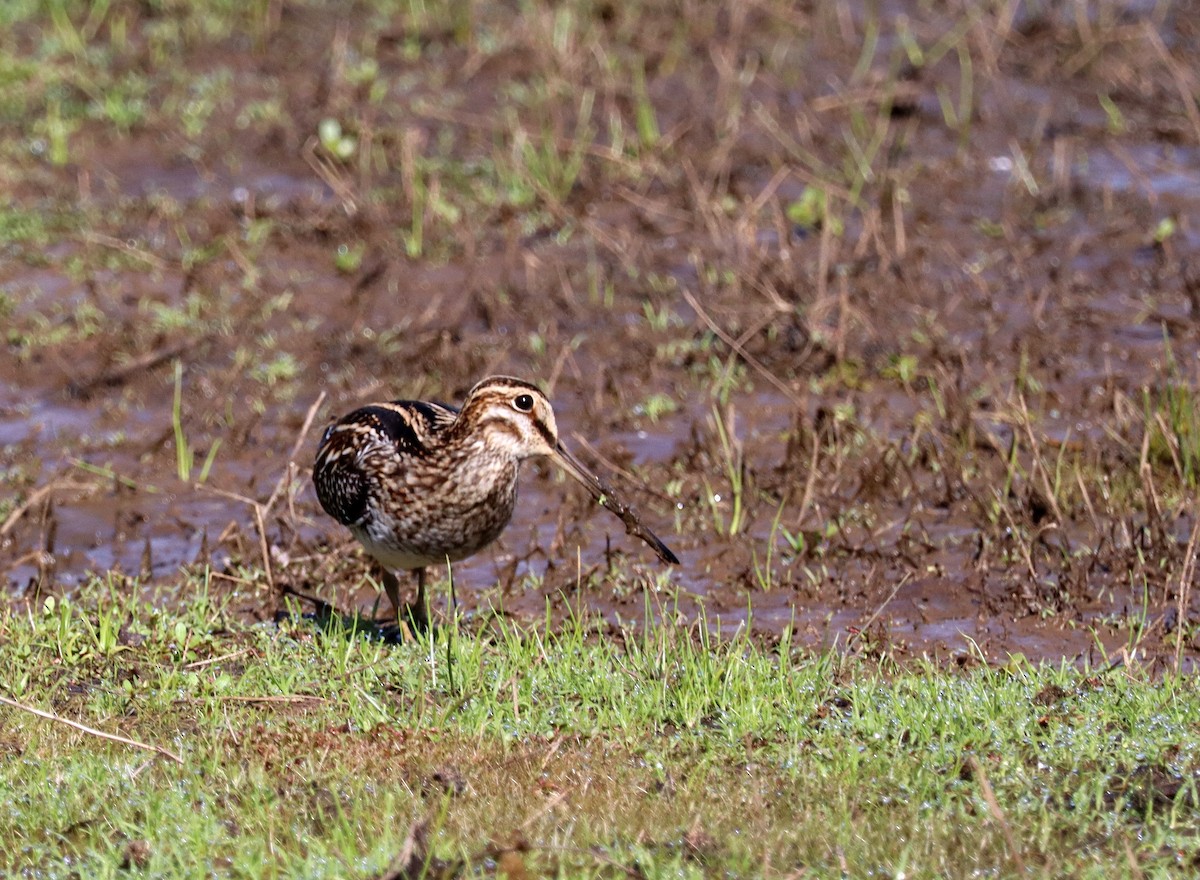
(1145, 168)
(186, 182)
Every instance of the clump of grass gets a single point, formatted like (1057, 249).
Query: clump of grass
(185, 455)
(1172, 421)
(22, 226)
(733, 464)
(544, 163)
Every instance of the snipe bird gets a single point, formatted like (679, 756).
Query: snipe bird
(421, 483)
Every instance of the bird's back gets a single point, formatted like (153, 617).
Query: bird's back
(410, 489)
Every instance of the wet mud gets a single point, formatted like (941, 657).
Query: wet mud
(950, 415)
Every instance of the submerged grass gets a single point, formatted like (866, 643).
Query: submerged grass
(655, 752)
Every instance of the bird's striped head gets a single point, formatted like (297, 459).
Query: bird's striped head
(515, 418)
(512, 416)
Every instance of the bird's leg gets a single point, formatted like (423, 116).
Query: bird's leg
(418, 612)
(409, 618)
(392, 586)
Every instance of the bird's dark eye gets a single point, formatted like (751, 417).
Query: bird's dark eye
(523, 402)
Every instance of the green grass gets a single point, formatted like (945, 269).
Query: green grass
(658, 751)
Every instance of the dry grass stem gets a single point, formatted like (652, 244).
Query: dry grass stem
(91, 731)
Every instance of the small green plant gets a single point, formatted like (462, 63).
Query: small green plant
(1172, 420)
(545, 166)
(125, 103)
(658, 317)
(19, 225)
(336, 142)
(348, 258)
(1117, 124)
(112, 476)
(734, 464)
(205, 95)
(656, 406)
(184, 454)
(764, 574)
(644, 116)
(423, 184)
(957, 117)
(811, 211)
(280, 369)
(902, 368)
(908, 40)
(990, 228)
(58, 129)
(1164, 229)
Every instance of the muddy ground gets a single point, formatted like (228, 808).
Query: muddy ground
(884, 316)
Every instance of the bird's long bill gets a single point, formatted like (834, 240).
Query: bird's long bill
(569, 463)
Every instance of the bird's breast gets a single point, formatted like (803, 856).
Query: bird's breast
(420, 513)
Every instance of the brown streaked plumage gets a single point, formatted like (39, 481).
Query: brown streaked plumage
(420, 483)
